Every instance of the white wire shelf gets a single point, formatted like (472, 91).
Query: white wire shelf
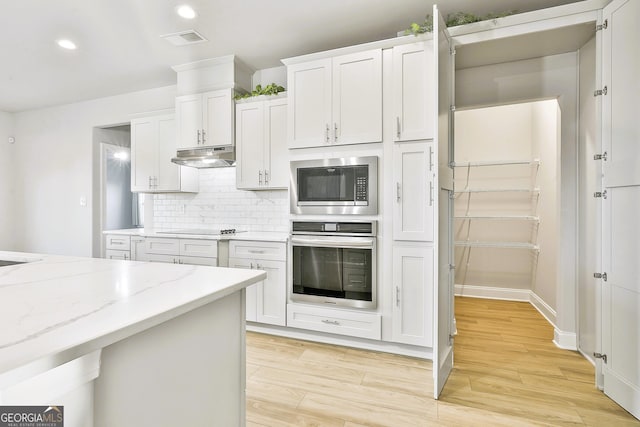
(535, 162)
(499, 190)
(504, 245)
(500, 217)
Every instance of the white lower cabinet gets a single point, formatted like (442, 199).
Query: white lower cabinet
(412, 295)
(266, 301)
(178, 251)
(117, 247)
(335, 321)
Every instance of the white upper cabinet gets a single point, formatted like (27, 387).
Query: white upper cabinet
(413, 180)
(413, 91)
(336, 100)
(205, 119)
(153, 144)
(261, 133)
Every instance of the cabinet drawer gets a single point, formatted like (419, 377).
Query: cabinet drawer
(342, 322)
(258, 250)
(115, 254)
(199, 248)
(118, 242)
(196, 260)
(162, 246)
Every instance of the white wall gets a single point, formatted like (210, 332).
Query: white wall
(589, 219)
(56, 164)
(540, 78)
(515, 132)
(219, 204)
(7, 184)
(277, 75)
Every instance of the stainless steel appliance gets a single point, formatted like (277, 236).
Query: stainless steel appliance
(343, 186)
(210, 157)
(334, 263)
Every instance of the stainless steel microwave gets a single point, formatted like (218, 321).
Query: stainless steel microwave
(343, 186)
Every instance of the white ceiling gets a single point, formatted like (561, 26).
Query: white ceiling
(119, 48)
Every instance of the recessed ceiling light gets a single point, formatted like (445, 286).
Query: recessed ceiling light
(186, 12)
(67, 44)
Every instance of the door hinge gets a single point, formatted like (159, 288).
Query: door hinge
(602, 91)
(602, 276)
(452, 266)
(452, 108)
(603, 26)
(600, 356)
(602, 194)
(452, 195)
(602, 156)
(452, 51)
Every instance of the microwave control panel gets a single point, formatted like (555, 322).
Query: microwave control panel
(361, 189)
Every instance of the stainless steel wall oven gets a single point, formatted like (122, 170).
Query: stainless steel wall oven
(343, 186)
(334, 263)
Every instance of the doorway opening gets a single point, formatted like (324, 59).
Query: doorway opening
(119, 208)
(507, 206)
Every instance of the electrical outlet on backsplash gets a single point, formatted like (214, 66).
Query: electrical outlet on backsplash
(220, 205)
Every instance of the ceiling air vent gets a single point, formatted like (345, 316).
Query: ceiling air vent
(184, 38)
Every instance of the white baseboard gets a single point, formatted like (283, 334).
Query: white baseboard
(544, 308)
(492, 292)
(565, 340)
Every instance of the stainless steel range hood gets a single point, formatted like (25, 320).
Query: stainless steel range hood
(212, 157)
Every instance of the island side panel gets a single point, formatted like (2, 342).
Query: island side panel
(188, 371)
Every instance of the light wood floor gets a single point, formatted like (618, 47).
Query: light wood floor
(507, 373)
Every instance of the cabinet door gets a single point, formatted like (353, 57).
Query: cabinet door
(414, 192)
(276, 156)
(168, 173)
(412, 295)
(189, 121)
(251, 291)
(144, 153)
(413, 92)
(309, 114)
(218, 113)
(272, 293)
(250, 145)
(357, 98)
(137, 249)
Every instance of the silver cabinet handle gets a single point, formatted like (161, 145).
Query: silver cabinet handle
(126, 257)
(258, 266)
(266, 177)
(150, 182)
(260, 177)
(335, 132)
(326, 133)
(331, 322)
(198, 136)
(203, 136)
(430, 193)
(398, 127)
(252, 266)
(155, 182)
(398, 192)
(255, 251)
(397, 296)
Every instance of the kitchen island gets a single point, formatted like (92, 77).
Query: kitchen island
(124, 343)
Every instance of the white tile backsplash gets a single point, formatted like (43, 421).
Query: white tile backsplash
(220, 205)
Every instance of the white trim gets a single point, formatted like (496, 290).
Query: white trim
(321, 337)
(565, 340)
(542, 307)
(493, 292)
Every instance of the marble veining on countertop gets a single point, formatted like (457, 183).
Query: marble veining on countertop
(60, 303)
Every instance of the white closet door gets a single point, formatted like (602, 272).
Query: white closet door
(621, 208)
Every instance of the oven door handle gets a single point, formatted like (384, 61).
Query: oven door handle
(357, 242)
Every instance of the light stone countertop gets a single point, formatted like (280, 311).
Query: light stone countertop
(56, 308)
(261, 236)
